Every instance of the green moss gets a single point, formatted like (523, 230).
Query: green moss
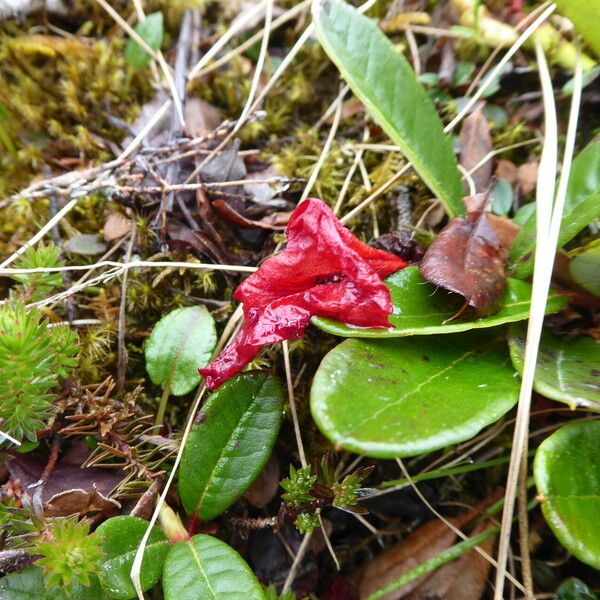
(58, 95)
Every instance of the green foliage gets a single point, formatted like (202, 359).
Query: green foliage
(582, 207)
(306, 522)
(182, 342)
(205, 567)
(422, 309)
(402, 397)
(585, 267)
(567, 369)
(297, 487)
(28, 584)
(385, 82)
(584, 14)
(229, 447)
(33, 356)
(271, 594)
(35, 286)
(121, 537)
(345, 492)
(567, 475)
(151, 31)
(70, 554)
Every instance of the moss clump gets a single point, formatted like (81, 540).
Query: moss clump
(58, 96)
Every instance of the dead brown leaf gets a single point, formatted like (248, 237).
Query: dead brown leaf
(506, 169)
(116, 226)
(80, 502)
(201, 117)
(461, 579)
(475, 144)
(264, 489)
(276, 221)
(527, 175)
(69, 486)
(469, 255)
(424, 543)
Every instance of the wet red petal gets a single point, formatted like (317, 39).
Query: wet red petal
(324, 271)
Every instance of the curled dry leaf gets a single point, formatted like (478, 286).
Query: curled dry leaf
(80, 502)
(469, 255)
(475, 144)
(507, 170)
(69, 486)
(274, 222)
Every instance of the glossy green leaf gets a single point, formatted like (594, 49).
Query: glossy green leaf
(28, 584)
(568, 370)
(121, 537)
(582, 206)
(421, 309)
(208, 569)
(385, 82)
(584, 14)
(228, 449)
(585, 267)
(574, 589)
(567, 475)
(389, 398)
(181, 343)
(151, 31)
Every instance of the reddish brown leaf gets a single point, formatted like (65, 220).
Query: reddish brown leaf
(505, 169)
(475, 144)
(69, 485)
(422, 544)
(469, 255)
(273, 222)
(264, 489)
(463, 578)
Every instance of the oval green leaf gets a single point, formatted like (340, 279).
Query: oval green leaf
(567, 474)
(585, 267)
(568, 370)
(121, 537)
(228, 449)
(574, 589)
(206, 568)
(421, 309)
(151, 31)
(582, 206)
(385, 82)
(390, 398)
(180, 343)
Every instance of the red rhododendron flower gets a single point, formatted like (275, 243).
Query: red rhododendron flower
(324, 271)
